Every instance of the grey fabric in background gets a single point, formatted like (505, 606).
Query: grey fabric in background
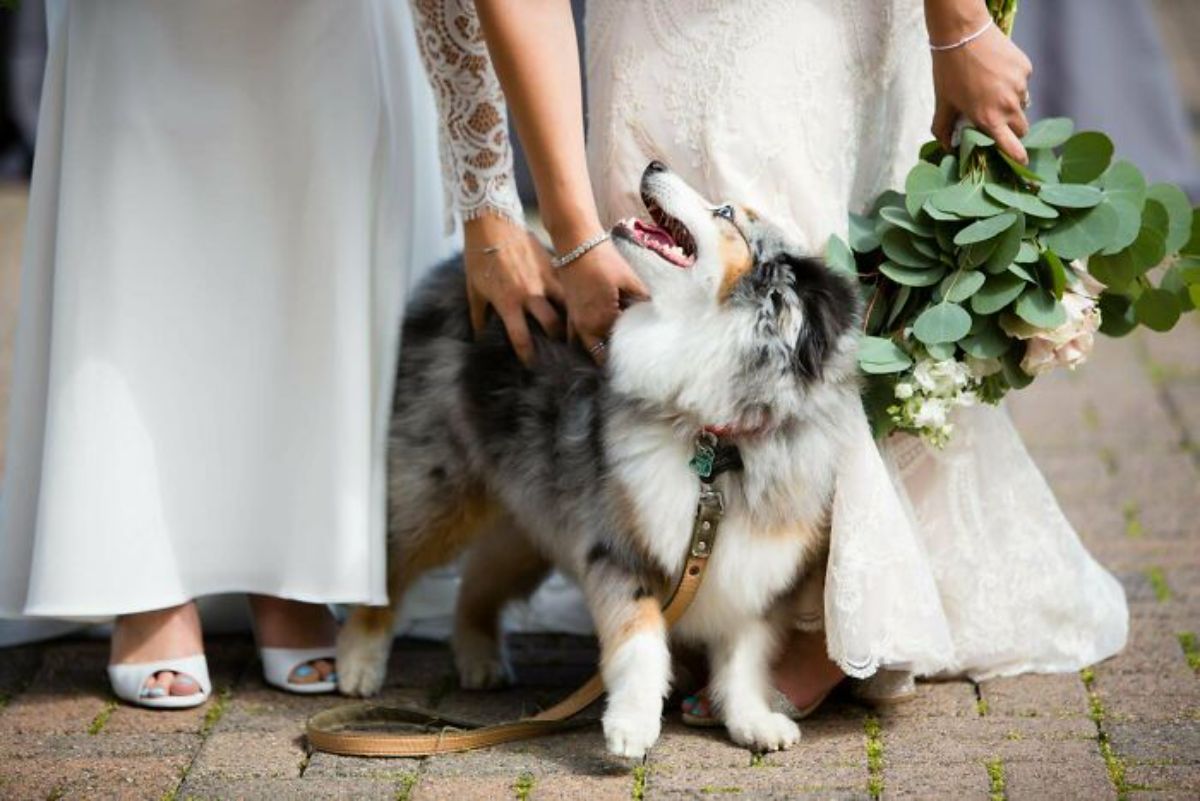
(1103, 64)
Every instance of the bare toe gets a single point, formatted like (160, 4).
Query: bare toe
(182, 684)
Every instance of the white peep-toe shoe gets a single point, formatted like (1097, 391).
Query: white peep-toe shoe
(279, 663)
(129, 682)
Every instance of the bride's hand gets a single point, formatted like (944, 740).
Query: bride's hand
(594, 285)
(515, 279)
(985, 81)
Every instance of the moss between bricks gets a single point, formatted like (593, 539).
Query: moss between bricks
(1158, 581)
(874, 756)
(101, 720)
(1191, 649)
(1114, 764)
(407, 782)
(639, 783)
(215, 711)
(1133, 520)
(523, 786)
(995, 772)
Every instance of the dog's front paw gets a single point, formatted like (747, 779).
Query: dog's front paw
(362, 659)
(631, 735)
(771, 731)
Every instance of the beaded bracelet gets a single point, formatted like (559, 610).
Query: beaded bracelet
(578, 251)
(962, 42)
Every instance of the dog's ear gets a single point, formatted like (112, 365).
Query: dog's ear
(831, 306)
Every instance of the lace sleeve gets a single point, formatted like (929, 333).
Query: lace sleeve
(477, 162)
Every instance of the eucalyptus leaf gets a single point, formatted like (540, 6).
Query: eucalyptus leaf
(1028, 203)
(900, 218)
(1085, 157)
(1071, 196)
(1048, 132)
(1157, 309)
(965, 199)
(1179, 278)
(1082, 233)
(1038, 307)
(889, 197)
(937, 214)
(1011, 362)
(971, 139)
(1116, 315)
(863, 238)
(923, 180)
(949, 169)
(1021, 170)
(942, 322)
(960, 285)
(977, 253)
(940, 351)
(1115, 270)
(1148, 250)
(1058, 273)
(1028, 253)
(838, 255)
(1008, 246)
(1192, 247)
(1125, 188)
(996, 293)
(926, 247)
(944, 233)
(1019, 271)
(877, 355)
(897, 246)
(1179, 213)
(989, 343)
(985, 229)
(1156, 216)
(898, 304)
(910, 276)
(1043, 163)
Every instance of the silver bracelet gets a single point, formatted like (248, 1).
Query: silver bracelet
(964, 41)
(579, 250)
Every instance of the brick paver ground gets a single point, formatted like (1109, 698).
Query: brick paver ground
(1120, 442)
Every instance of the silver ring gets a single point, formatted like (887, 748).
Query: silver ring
(599, 346)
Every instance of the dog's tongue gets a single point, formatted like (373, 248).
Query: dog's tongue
(651, 233)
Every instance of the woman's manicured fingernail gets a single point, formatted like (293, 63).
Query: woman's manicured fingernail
(155, 692)
(184, 680)
(304, 671)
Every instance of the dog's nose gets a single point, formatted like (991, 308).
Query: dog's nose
(655, 166)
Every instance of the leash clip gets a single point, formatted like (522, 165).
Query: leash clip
(710, 509)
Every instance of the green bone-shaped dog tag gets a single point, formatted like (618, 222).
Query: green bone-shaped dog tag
(702, 462)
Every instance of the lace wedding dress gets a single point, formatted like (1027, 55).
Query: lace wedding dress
(941, 562)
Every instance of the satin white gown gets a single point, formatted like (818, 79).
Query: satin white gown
(229, 204)
(952, 562)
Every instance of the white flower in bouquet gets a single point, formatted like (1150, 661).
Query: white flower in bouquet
(930, 413)
(1068, 345)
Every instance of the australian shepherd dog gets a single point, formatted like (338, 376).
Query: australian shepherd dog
(743, 342)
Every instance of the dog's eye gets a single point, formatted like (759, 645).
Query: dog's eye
(725, 211)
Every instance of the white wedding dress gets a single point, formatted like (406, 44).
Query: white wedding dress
(229, 204)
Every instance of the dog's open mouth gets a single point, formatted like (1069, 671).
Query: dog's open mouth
(666, 236)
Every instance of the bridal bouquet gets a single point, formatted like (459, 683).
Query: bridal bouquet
(986, 273)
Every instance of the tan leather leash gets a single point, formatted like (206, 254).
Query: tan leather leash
(368, 730)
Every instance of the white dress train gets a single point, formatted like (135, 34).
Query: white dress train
(229, 203)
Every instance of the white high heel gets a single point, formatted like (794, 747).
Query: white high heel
(278, 664)
(129, 682)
